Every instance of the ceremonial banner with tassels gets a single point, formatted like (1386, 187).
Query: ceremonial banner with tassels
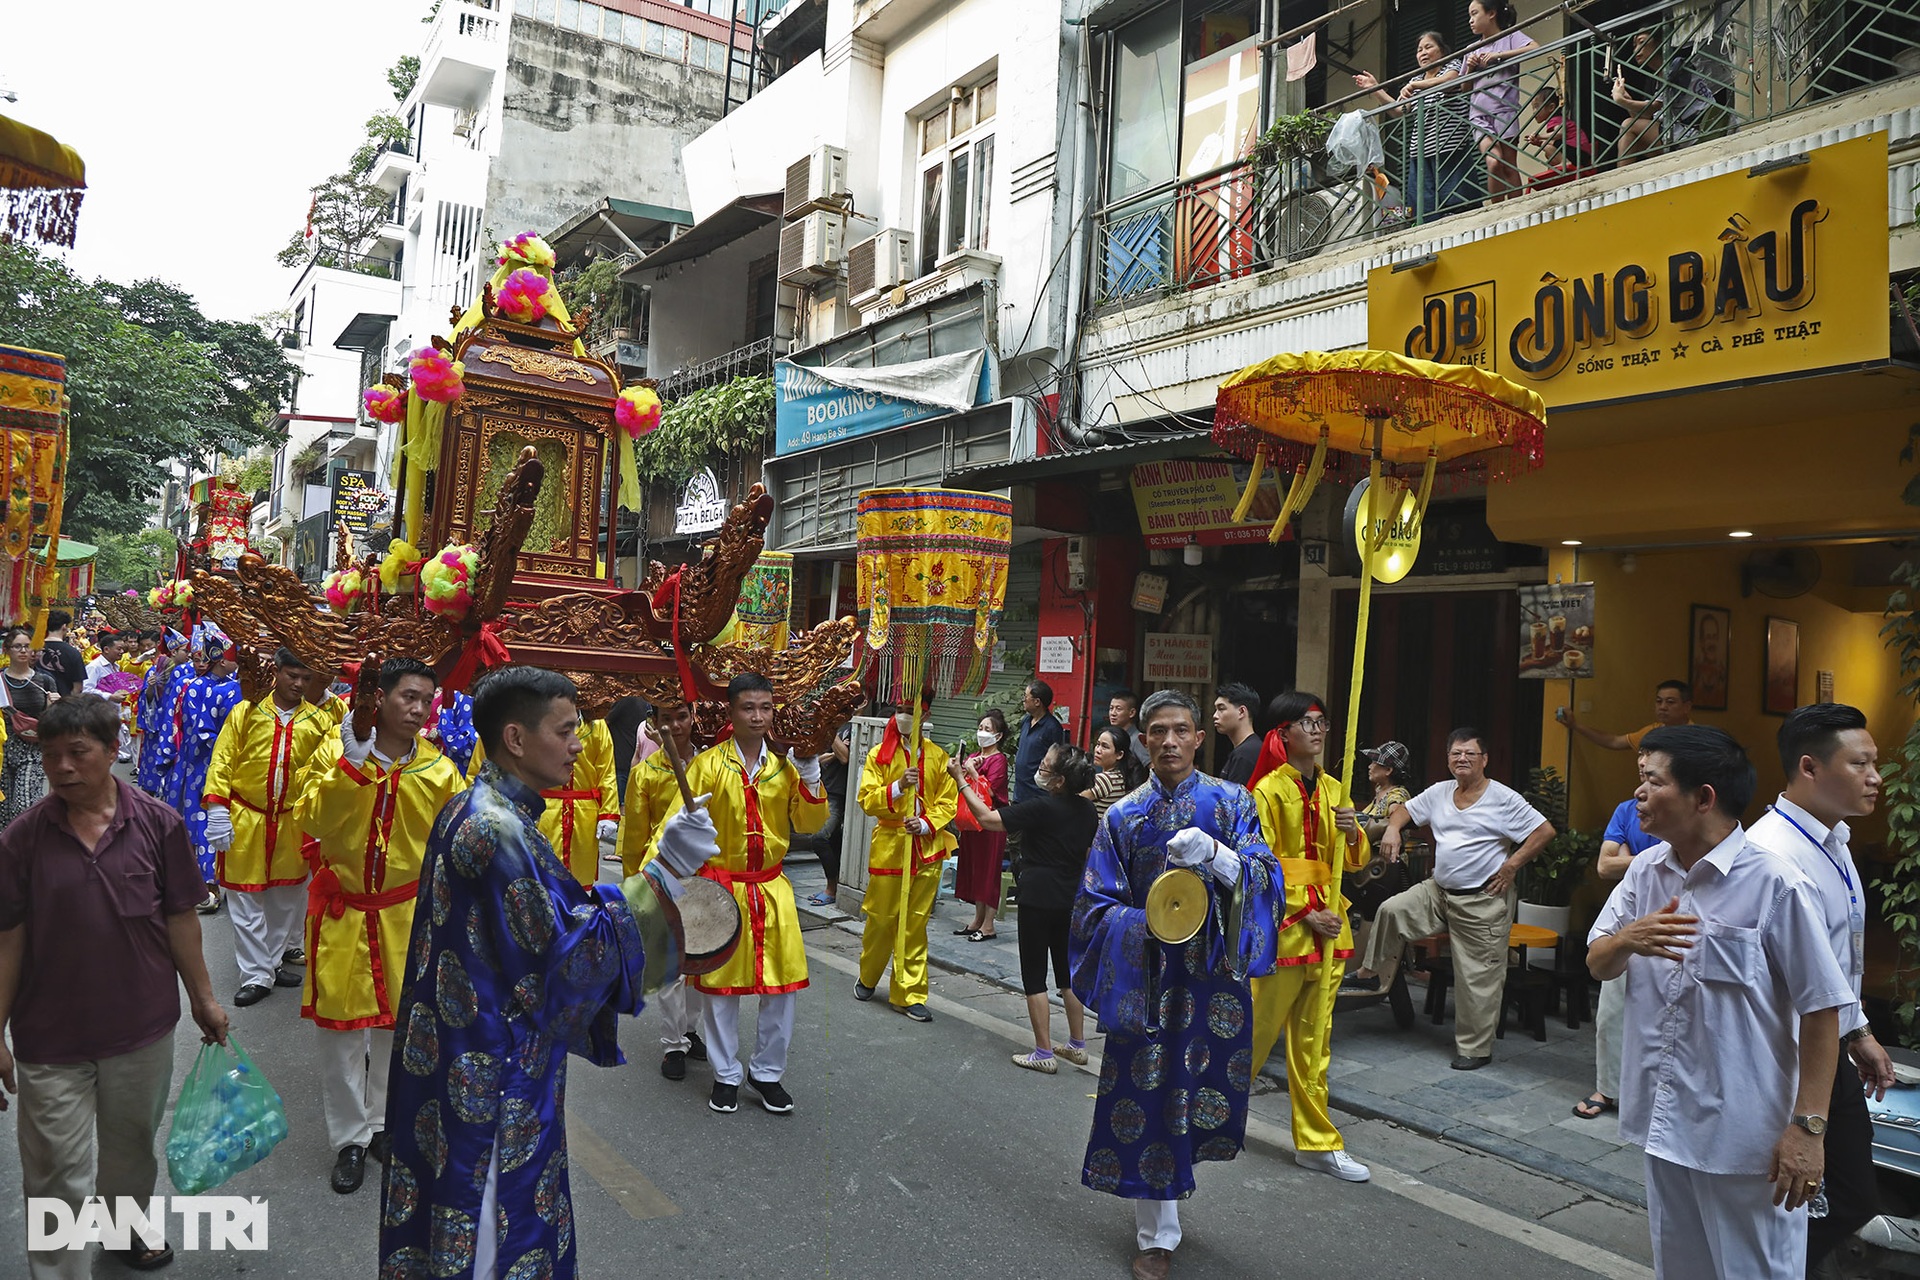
(932, 584)
(33, 448)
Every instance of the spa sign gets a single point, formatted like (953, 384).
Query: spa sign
(1724, 280)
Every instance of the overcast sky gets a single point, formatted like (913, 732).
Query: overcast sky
(202, 123)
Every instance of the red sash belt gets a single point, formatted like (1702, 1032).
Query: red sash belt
(325, 896)
(728, 879)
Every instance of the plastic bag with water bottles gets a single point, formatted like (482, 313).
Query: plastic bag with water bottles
(227, 1119)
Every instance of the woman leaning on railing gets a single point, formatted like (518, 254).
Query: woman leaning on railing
(1441, 152)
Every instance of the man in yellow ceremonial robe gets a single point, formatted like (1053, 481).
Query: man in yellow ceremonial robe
(757, 801)
(253, 784)
(369, 806)
(912, 799)
(1308, 820)
(585, 812)
(652, 793)
(320, 694)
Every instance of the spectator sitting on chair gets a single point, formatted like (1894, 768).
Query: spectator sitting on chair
(97, 933)
(1483, 833)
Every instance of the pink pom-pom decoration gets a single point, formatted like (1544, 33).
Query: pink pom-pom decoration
(637, 411)
(447, 580)
(527, 250)
(385, 403)
(523, 296)
(160, 598)
(436, 376)
(343, 589)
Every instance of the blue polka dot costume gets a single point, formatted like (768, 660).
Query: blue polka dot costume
(1179, 1019)
(203, 711)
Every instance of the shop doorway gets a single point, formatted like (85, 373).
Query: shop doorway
(1436, 661)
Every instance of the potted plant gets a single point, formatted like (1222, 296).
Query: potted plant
(1547, 883)
(1296, 139)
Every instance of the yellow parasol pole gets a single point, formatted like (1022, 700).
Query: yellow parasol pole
(917, 666)
(1337, 866)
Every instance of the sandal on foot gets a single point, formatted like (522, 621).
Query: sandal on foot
(821, 899)
(1595, 1105)
(141, 1258)
(974, 935)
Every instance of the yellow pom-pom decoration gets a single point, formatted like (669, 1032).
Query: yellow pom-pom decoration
(401, 566)
(447, 580)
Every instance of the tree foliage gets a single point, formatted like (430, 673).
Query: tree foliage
(140, 559)
(730, 418)
(402, 75)
(596, 290)
(1900, 788)
(151, 381)
(346, 209)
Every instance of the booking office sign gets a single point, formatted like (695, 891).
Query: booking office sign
(1758, 274)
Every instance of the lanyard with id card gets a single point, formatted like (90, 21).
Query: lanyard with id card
(1856, 914)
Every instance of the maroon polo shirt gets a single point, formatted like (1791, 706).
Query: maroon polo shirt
(98, 979)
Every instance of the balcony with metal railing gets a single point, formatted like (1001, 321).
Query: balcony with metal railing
(754, 358)
(1598, 100)
(464, 50)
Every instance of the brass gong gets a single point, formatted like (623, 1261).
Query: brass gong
(1177, 905)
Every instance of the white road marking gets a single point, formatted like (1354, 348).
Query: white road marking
(1509, 1226)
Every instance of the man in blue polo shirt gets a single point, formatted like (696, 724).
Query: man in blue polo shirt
(1622, 841)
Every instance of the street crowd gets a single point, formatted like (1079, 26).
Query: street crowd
(425, 868)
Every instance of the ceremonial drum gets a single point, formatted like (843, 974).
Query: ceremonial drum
(710, 920)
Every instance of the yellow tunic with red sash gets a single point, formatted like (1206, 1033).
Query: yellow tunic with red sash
(756, 816)
(335, 706)
(368, 825)
(903, 867)
(652, 793)
(1302, 834)
(257, 768)
(571, 821)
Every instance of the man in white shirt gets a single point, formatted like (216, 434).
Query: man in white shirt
(113, 646)
(1732, 1019)
(1483, 833)
(1830, 762)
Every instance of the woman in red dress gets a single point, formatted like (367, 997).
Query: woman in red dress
(977, 879)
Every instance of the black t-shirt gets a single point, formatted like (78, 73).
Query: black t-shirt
(1240, 761)
(1055, 834)
(833, 774)
(63, 662)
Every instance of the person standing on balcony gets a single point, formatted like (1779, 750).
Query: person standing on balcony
(1494, 109)
(1440, 142)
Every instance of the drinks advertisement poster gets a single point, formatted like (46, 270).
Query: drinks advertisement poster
(1556, 631)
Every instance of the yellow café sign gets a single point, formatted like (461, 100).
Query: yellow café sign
(1729, 279)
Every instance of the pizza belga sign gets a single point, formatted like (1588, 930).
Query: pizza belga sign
(821, 406)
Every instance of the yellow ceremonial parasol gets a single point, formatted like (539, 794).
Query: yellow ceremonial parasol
(1394, 411)
(42, 182)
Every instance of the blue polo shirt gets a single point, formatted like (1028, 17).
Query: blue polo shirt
(1624, 828)
(1037, 737)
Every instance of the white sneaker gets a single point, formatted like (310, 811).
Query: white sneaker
(1338, 1163)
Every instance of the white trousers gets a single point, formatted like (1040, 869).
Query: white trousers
(775, 1031)
(1606, 1037)
(265, 923)
(682, 1010)
(1721, 1225)
(88, 1128)
(353, 1083)
(486, 1233)
(1157, 1224)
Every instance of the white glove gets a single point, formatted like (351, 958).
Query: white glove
(919, 827)
(219, 828)
(1226, 866)
(352, 748)
(688, 840)
(808, 767)
(609, 831)
(1191, 848)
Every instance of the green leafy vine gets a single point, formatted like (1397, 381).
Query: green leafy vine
(732, 418)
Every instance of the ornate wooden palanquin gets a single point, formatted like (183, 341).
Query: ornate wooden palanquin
(525, 387)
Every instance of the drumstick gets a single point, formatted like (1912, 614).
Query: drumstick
(673, 758)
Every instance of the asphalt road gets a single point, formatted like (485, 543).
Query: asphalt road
(914, 1151)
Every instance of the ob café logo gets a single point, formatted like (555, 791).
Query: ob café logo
(1454, 327)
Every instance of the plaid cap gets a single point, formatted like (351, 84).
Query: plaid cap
(1390, 755)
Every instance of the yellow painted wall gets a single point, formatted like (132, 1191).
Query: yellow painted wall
(1641, 624)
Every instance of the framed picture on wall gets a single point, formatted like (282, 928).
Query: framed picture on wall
(1707, 656)
(1783, 667)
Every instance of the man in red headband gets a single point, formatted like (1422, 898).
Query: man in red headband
(1308, 820)
(906, 787)
(370, 808)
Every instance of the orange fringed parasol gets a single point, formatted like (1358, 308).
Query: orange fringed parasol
(1302, 406)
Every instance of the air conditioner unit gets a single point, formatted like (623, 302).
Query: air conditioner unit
(463, 123)
(877, 264)
(812, 247)
(815, 180)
